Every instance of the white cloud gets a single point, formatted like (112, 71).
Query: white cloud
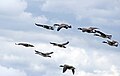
(98, 12)
(15, 12)
(4, 71)
(13, 7)
(113, 71)
(87, 62)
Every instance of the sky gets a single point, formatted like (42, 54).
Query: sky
(85, 52)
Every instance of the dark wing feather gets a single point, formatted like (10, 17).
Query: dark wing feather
(73, 71)
(92, 28)
(37, 51)
(64, 69)
(53, 43)
(100, 32)
(39, 25)
(56, 25)
(59, 28)
(21, 43)
(114, 41)
(48, 53)
(65, 43)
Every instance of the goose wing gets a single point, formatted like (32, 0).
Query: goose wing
(39, 25)
(65, 43)
(114, 41)
(92, 28)
(73, 71)
(56, 25)
(100, 32)
(64, 69)
(21, 44)
(37, 51)
(49, 53)
(53, 43)
(59, 28)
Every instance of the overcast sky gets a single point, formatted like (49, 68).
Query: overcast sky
(85, 52)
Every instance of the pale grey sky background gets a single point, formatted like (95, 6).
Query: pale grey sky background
(85, 52)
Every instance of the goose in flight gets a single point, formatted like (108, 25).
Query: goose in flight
(43, 54)
(60, 45)
(88, 30)
(24, 44)
(111, 43)
(60, 26)
(103, 35)
(45, 26)
(65, 67)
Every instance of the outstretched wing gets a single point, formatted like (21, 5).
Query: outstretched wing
(56, 25)
(65, 43)
(39, 25)
(92, 28)
(59, 28)
(73, 71)
(53, 43)
(64, 69)
(49, 53)
(114, 41)
(100, 32)
(37, 52)
(21, 44)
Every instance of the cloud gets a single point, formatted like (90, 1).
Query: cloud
(4, 71)
(14, 7)
(113, 71)
(87, 62)
(97, 12)
(84, 51)
(14, 12)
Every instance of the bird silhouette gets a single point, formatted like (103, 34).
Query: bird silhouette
(24, 44)
(101, 34)
(45, 26)
(60, 45)
(60, 26)
(43, 54)
(65, 67)
(88, 30)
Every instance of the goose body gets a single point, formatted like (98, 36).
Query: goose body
(88, 30)
(45, 26)
(65, 67)
(60, 26)
(103, 35)
(59, 45)
(24, 44)
(111, 43)
(43, 54)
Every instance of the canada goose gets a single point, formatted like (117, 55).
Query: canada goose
(60, 26)
(24, 44)
(88, 30)
(103, 35)
(111, 43)
(65, 67)
(43, 54)
(45, 26)
(60, 45)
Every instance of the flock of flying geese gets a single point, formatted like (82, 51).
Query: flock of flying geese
(62, 45)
